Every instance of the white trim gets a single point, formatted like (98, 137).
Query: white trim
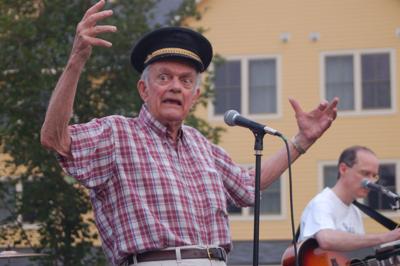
(244, 89)
(356, 54)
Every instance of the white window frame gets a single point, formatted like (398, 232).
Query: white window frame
(244, 66)
(356, 54)
(19, 189)
(246, 215)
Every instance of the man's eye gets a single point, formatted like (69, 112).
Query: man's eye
(187, 80)
(365, 173)
(163, 77)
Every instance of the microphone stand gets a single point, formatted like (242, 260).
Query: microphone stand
(258, 147)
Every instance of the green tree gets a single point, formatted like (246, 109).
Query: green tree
(35, 40)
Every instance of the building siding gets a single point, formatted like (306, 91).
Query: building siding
(247, 28)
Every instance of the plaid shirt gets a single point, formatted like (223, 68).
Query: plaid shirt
(149, 193)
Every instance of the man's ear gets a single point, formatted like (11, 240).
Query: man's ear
(142, 89)
(342, 168)
(196, 95)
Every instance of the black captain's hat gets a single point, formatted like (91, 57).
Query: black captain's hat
(172, 42)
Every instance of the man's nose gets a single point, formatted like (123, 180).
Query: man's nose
(176, 85)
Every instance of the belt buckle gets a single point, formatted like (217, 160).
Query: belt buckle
(209, 253)
(223, 254)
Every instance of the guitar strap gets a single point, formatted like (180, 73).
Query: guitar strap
(386, 222)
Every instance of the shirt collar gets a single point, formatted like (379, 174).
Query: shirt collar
(148, 119)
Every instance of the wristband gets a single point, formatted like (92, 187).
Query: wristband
(297, 146)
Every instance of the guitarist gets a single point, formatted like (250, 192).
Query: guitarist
(332, 219)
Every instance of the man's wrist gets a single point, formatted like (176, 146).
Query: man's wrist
(298, 147)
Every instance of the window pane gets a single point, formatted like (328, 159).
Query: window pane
(339, 80)
(375, 81)
(330, 173)
(7, 201)
(376, 200)
(262, 86)
(227, 87)
(30, 208)
(270, 202)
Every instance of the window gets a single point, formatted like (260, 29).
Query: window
(12, 196)
(7, 201)
(248, 85)
(29, 209)
(270, 203)
(375, 77)
(227, 87)
(339, 80)
(330, 173)
(262, 86)
(362, 80)
(388, 179)
(387, 173)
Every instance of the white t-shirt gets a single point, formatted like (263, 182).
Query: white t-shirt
(327, 211)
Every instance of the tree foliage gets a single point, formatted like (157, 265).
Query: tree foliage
(35, 40)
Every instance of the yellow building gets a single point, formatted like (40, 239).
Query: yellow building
(308, 50)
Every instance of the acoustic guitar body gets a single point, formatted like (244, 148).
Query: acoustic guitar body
(309, 254)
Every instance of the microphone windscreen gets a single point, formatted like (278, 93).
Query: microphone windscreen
(365, 183)
(229, 117)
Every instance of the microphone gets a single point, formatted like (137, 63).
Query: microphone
(233, 118)
(372, 186)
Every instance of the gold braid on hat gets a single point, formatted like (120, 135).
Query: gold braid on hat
(178, 51)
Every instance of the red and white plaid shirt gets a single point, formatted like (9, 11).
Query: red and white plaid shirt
(149, 193)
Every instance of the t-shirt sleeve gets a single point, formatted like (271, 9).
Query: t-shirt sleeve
(317, 216)
(92, 148)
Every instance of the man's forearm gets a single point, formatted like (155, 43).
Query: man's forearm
(273, 167)
(54, 133)
(343, 241)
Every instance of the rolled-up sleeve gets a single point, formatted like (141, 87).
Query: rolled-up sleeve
(93, 155)
(238, 181)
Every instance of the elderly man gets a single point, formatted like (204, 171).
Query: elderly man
(159, 189)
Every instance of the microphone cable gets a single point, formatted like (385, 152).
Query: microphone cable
(291, 199)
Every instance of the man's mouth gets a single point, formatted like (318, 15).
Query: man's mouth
(172, 101)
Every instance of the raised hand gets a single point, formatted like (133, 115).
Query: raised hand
(314, 123)
(87, 31)
(54, 133)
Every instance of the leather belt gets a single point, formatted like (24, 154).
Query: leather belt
(186, 253)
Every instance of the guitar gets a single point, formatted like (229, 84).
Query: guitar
(310, 254)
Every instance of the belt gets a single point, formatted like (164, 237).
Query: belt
(186, 253)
